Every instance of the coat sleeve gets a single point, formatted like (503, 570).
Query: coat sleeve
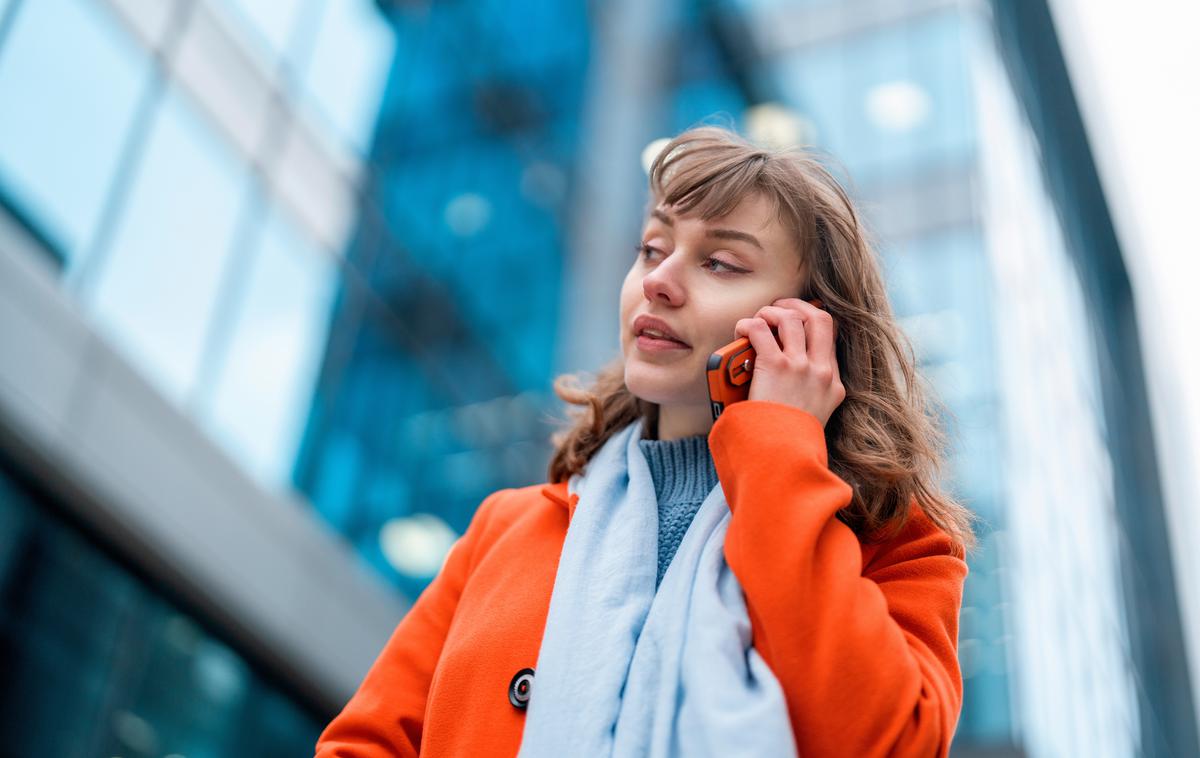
(868, 661)
(384, 717)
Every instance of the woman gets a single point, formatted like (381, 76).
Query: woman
(785, 580)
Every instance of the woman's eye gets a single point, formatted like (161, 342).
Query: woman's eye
(720, 262)
(644, 250)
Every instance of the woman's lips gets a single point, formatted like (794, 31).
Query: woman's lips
(656, 344)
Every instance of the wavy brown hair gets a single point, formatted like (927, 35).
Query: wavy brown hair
(884, 439)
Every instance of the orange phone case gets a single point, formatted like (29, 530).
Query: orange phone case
(729, 371)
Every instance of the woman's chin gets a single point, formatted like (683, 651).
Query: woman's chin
(664, 388)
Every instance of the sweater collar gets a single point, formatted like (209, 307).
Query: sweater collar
(682, 468)
(558, 494)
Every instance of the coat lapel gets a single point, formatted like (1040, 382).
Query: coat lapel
(557, 493)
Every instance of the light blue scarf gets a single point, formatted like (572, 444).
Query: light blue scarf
(625, 671)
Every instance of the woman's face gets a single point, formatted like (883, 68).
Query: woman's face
(700, 278)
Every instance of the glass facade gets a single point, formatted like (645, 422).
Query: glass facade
(437, 401)
(263, 383)
(167, 188)
(165, 229)
(329, 52)
(156, 291)
(889, 102)
(79, 80)
(97, 662)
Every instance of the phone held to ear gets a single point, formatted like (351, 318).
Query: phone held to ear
(729, 370)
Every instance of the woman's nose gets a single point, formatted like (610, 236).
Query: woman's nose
(663, 284)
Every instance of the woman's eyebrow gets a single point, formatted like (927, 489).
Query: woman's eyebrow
(727, 234)
(733, 234)
(662, 217)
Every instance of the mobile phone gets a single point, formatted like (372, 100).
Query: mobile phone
(730, 369)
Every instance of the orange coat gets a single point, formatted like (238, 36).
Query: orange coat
(863, 638)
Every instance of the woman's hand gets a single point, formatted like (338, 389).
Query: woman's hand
(804, 371)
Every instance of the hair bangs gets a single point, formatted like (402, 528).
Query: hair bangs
(706, 175)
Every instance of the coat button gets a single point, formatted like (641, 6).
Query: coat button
(519, 687)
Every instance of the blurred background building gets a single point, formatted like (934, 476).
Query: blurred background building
(284, 285)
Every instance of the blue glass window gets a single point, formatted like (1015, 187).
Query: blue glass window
(345, 76)
(160, 276)
(70, 81)
(269, 369)
(272, 22)
(888, 102)
(97, 661)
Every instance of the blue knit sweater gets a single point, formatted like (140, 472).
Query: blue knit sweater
(684, 474)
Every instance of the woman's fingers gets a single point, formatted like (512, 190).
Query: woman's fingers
(789, 326)
(817, 325)
(758, 331)
(821, 335)
(800, 369)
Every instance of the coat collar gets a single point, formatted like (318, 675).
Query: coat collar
(557, 493)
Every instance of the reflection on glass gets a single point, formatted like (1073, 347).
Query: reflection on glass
(159, 281)
(69, 85)
(267, 377)
(96, 662)
(890, 101)
(272, 22)
(349, 64)
(1082, 686)
(942, 270)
